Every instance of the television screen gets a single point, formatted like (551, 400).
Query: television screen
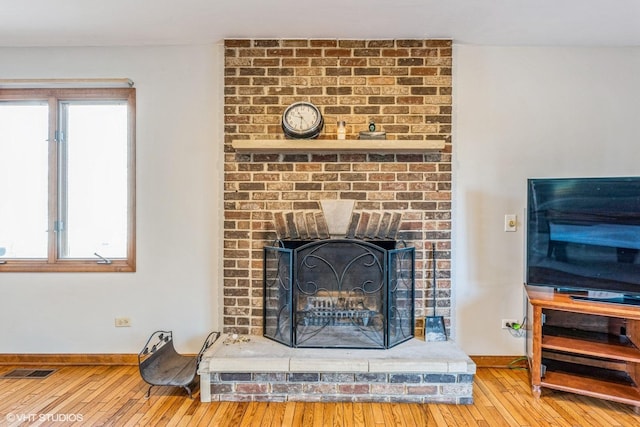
(584, 234)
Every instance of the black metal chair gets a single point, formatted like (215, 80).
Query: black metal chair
(161, 365)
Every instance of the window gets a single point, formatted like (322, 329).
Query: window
(67, 179)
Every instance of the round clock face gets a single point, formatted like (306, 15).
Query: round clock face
(302, 120)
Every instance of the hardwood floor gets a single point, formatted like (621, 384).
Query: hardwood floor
(114, 396)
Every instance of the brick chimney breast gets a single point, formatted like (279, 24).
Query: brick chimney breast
(403, 86)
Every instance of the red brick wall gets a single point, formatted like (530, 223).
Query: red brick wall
(404, 86)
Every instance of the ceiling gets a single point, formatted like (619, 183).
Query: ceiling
(159, 22)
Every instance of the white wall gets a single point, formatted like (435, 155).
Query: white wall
(179, 197)
(518, 113)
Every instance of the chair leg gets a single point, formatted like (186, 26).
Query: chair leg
(148, 392)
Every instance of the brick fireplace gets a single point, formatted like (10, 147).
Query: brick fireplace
(404, 86)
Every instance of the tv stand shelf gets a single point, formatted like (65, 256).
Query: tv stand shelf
(593, 387)
(592, 349)
(584, 347)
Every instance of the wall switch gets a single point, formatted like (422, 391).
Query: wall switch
(123, 322)
(510, 222)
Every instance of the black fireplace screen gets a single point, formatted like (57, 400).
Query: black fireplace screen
(339, 293)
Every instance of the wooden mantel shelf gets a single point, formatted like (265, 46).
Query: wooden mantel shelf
(335, 146)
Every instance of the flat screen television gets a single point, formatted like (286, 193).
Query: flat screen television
(583, 234)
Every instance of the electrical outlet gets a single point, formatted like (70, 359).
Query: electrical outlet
(123, 322)
(506, 322)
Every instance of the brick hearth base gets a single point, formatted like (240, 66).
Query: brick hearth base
(255, 368)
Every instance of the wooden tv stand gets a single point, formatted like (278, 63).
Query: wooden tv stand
(584, 347)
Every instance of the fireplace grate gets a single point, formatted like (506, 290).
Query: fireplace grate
(328, 311)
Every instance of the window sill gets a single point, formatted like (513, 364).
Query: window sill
(40, 266)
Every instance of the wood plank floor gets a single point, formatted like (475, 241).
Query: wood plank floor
(114, 396)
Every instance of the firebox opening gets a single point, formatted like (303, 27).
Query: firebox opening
(339, 293)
